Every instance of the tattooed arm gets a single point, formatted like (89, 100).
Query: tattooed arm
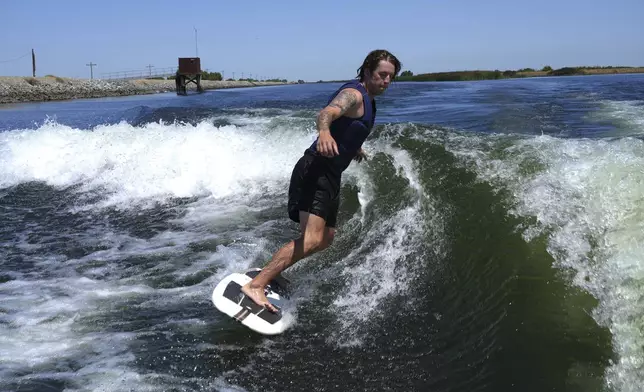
(344, 102)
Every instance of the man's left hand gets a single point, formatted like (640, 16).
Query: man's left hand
(360, 155)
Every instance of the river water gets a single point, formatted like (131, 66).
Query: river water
(492, 242)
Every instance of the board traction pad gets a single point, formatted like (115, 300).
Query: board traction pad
(233, 293)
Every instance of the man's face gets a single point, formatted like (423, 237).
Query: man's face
(378, 81)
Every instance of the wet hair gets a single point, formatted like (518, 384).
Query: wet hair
(373, 59)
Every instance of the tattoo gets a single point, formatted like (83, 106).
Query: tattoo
(324, 120)
(343, 101)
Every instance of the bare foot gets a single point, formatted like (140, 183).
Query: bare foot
(257, 295)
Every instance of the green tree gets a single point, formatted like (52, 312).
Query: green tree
(547, 68)
(205, 75)
(407, 73)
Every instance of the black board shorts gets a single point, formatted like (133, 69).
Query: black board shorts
(314, 189)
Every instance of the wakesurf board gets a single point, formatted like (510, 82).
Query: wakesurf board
(229, 299)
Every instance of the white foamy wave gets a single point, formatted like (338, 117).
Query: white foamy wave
(588, 194)
(38, 333)
(628, 116)
(380, 274)
(154, 161)
(376, 269)
(49, 326)
(70, 315)
(102, 381)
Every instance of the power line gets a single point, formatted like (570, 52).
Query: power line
(18, 58)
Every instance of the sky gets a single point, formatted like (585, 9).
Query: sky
(325, 40)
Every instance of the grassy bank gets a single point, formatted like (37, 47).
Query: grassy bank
(53, 88)
(523, 73)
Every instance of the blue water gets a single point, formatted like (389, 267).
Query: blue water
(549, 105)
(492, 242)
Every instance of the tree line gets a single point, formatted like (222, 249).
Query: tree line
(408, 75)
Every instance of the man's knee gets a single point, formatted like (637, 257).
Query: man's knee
(327, 239)
(316, 236)
(313, 242)
(317, 241)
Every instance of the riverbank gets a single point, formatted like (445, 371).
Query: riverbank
(511, 74)
(584, 71)
(52, 88)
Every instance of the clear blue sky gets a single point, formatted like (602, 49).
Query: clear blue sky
(317, 40)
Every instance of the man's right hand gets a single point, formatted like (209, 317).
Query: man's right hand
(327, 146)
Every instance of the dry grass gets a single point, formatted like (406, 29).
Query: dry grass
(32, 81)
(598, 71)
(57, 78)
(532, 74)
(589, 71)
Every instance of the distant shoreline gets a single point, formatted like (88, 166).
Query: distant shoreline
(455, 76)
(20, 89)
(524, 73)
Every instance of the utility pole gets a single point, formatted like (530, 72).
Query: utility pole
(196, 46)
(33, 62)
(149, 67)
(91, 69)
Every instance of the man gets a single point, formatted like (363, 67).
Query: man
(314, 190)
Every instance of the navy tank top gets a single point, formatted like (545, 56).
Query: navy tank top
(349, 133)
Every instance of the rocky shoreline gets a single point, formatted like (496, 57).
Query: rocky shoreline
(53, 88)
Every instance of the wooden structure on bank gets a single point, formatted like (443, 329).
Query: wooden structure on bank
(189, 72)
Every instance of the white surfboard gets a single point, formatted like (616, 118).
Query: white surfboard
(228, 299)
